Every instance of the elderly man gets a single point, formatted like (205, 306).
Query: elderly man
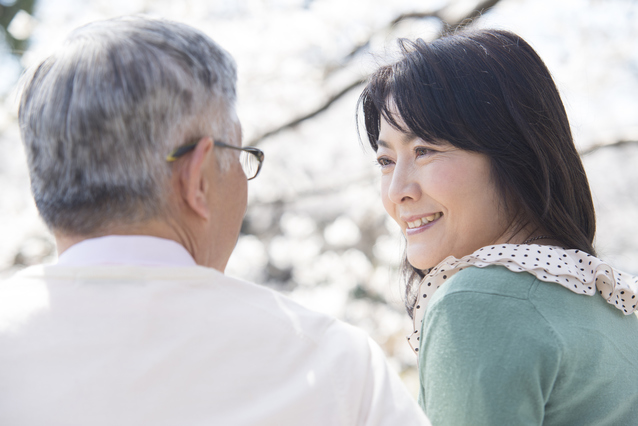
(134, 151)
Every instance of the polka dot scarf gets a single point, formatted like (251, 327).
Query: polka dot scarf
(575, 270)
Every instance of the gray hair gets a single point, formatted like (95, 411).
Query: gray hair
(99, 117)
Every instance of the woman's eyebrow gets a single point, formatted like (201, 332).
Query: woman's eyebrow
(406, 139)
(382, 143)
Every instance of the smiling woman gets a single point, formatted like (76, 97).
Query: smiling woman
(477, 161)
(443, 197)
(487, 92)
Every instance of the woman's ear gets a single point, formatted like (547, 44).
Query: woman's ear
(193, 174)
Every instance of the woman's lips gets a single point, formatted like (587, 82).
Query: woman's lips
(422, 223)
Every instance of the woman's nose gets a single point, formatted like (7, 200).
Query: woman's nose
(404, 185)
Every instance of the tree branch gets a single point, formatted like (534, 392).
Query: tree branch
(415, 15)
(332, 99)
(477, 12)
(462, 22)
(318, 190)
(597, 147)
(403, 17)
(480, 8)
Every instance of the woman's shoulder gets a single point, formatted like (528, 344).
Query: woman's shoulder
(487, 304)
(492, 302)
(484, 287)
(483, 284)
(493, 279)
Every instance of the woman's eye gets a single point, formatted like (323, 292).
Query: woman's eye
(421, 151)
(383, 161)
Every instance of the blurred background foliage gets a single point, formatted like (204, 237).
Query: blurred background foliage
(9, 10)
(315, 227)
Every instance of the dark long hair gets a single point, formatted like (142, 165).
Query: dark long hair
(487, 91)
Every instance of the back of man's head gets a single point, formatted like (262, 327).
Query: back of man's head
(99, 117)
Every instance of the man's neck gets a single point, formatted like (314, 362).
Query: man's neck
(151, 228)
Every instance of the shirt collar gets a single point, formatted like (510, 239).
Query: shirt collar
(126, 250)
(575, 270)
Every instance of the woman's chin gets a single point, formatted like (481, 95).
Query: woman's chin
(424, 262)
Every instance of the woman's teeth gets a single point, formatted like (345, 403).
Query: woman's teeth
(424, 220)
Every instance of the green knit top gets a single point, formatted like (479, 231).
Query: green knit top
(500, 347)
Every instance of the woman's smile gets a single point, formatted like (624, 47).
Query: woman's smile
(442, 197)
(421, 223)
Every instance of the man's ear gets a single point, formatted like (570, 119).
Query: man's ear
(193, 183)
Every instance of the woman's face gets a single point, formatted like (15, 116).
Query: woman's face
(442, 197)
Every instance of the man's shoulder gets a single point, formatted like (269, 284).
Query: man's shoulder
(200, 332)
(194, 292)
(309, 325)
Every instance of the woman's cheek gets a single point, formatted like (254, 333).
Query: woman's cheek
(387, 204)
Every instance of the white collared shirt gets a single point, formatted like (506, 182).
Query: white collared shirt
(140, 250)
(127, 330)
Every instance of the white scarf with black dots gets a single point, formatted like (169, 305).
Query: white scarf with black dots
(575, 270)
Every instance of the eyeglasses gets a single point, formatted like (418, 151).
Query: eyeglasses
(251, 158)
